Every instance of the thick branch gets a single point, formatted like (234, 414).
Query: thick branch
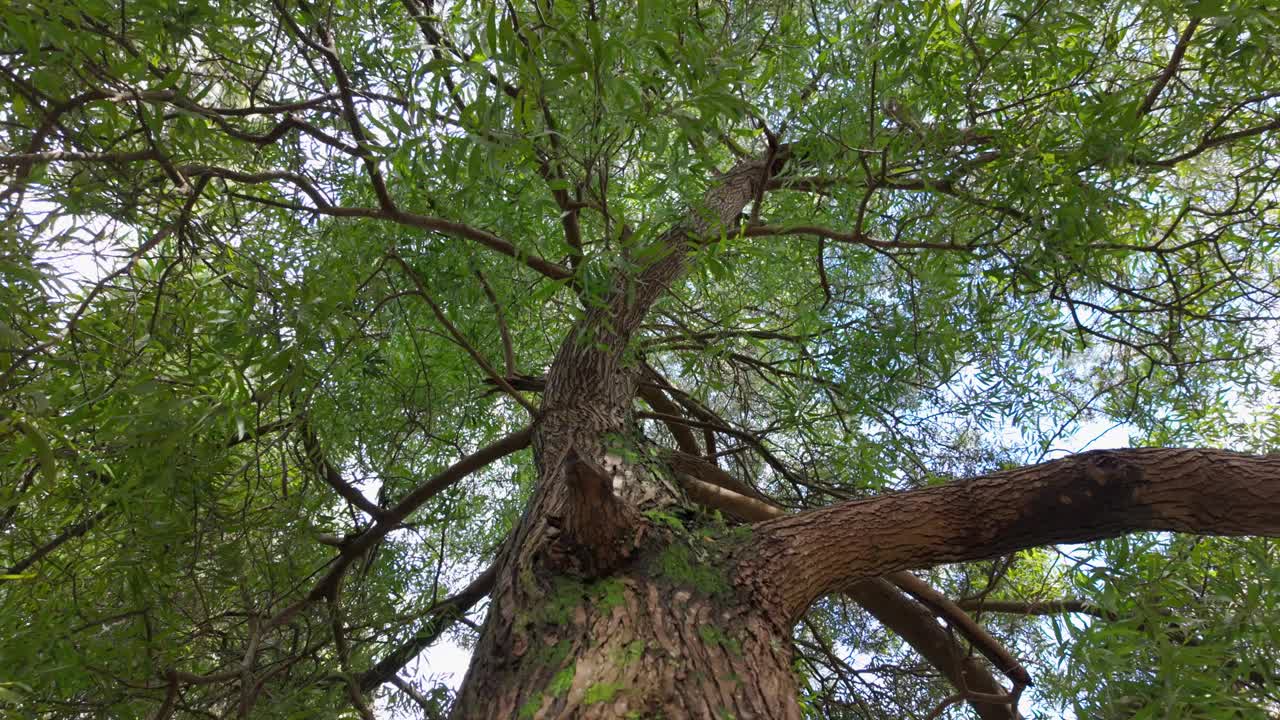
(1091, 496)
(942, 605)
(916, 625)
(911, 620)
(659, 401)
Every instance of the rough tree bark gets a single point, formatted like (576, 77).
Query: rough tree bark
(600, 610)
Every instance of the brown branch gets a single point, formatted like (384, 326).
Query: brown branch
(912, 621)
(393, 516)
(70, 532)
(823, 280)
(264, 429)
(408, 219)
(982, 640)
(343, 649)
(1035, 607)
(718, 497)
(1090, 496)
(459, 338)
(707, 471)
(73, 156)
(165, 711)
(441, 615)
(331, 476)
(850, 238)
(659, 401)
(750, 438)
(1208, 143)
(80, 310)
(916, 625)
(429, 709)
(330, 52)
(1172, 67)
(508, 351)
(814, 184)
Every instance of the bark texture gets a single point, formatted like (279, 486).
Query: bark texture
(1090, 496)
(599, 612)
(640, 645)
(586, 404)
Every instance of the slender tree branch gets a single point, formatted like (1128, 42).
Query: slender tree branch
(1172, 67)
(508, 351)
(332, 477)
(1035, 607)
(330, 52)
(70, 532)
(850, 238)
(425, 222)
(343, 649)
(1208, 143)
(429, 709)
(461, 339)
(395, 515)
(440, 616)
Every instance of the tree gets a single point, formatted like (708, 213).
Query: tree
(682, 332)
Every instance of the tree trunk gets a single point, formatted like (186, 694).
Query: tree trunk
(551, 647)
(668, 638)
(603, 610)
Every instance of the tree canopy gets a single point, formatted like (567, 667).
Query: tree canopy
(283, 282)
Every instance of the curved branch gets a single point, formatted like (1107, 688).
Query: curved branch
(1170, 69)
(1208, 143)
(442, 615)
(1090, 496)
(331, 476)
(916, 625)
(913, 621)
(459, 338)
(391, 518)
(987, 645)
(70, 532)
(508, 351)
(425, 222)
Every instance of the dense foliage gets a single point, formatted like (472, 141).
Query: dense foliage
(256, 254)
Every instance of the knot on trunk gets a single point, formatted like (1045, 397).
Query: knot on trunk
(598, 531)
